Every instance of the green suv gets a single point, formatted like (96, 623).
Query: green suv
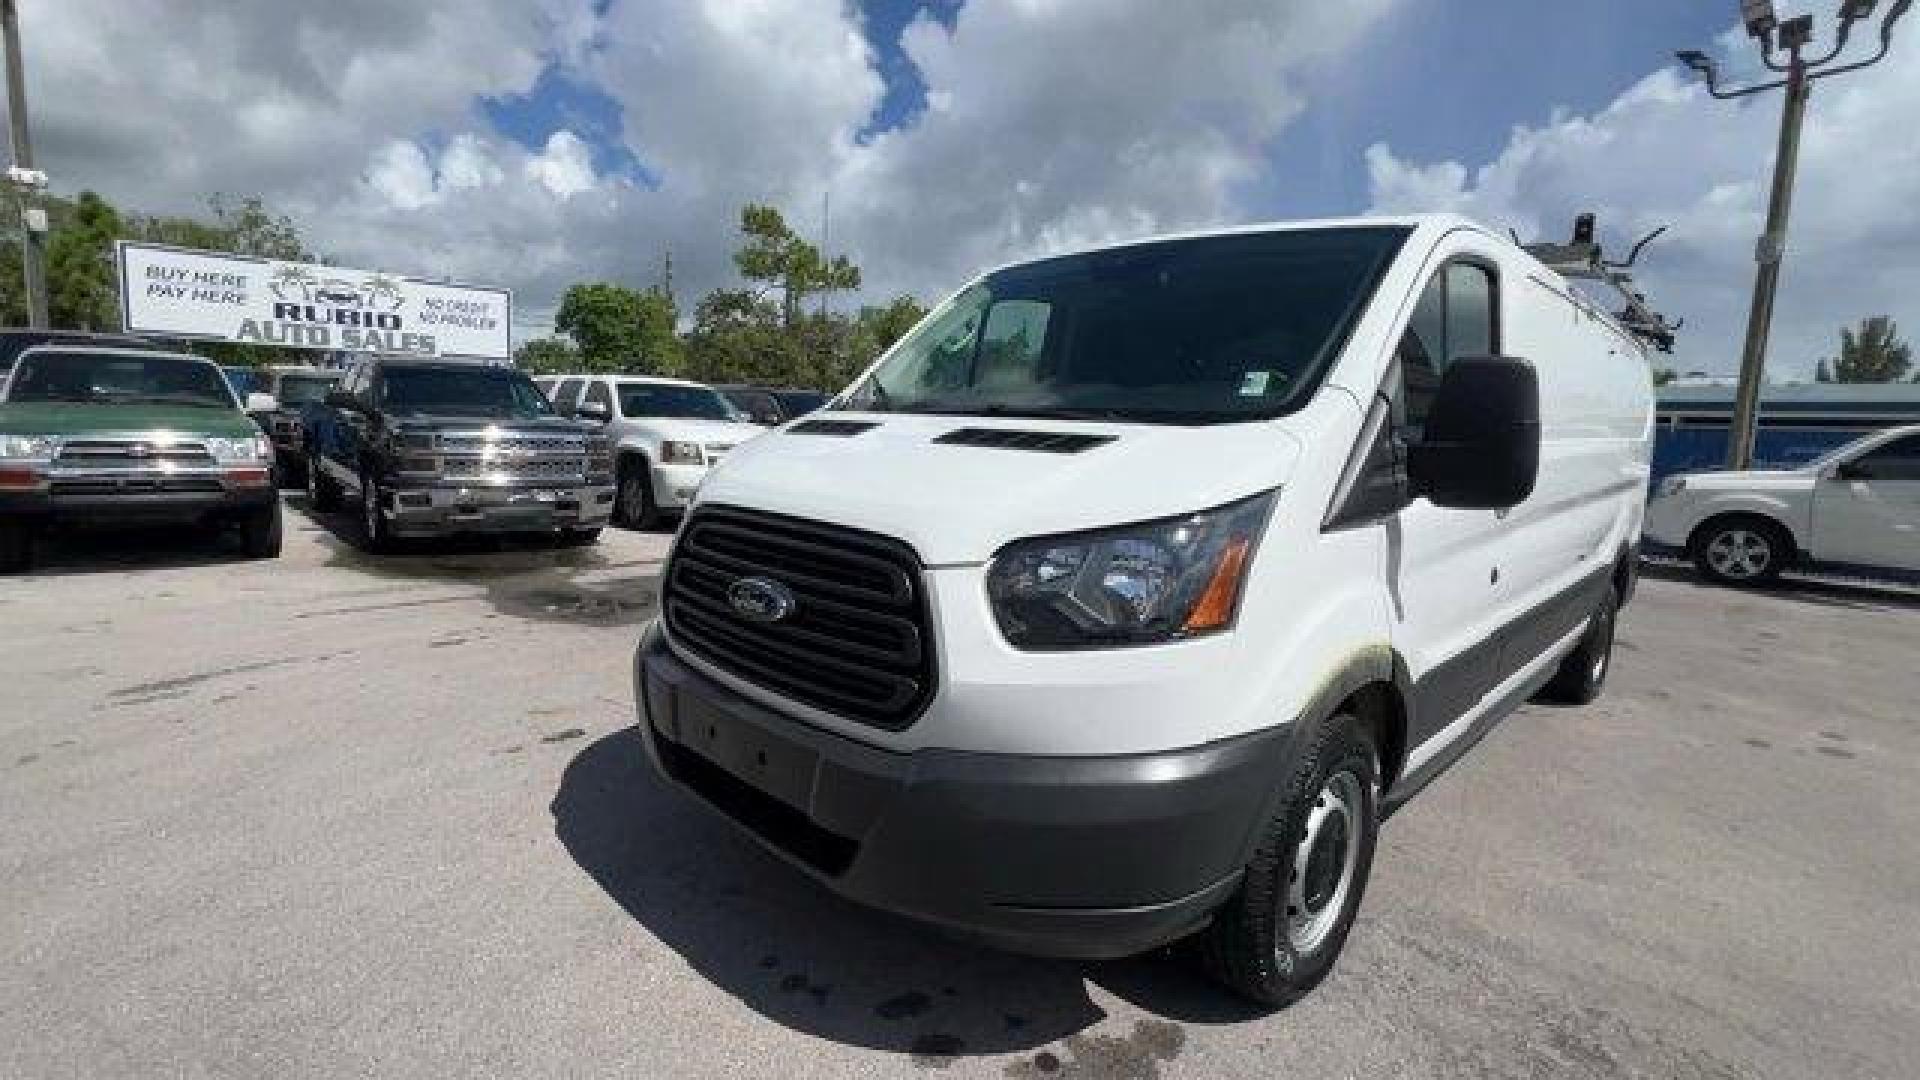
(91, 434)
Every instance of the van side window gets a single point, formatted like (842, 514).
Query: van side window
(1456, 316)
(566, 396)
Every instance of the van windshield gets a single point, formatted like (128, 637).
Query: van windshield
(1196, 331)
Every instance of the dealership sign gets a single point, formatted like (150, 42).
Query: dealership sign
(176, 292)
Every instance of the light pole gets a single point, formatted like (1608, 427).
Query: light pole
(26, 180)
(1790, 38)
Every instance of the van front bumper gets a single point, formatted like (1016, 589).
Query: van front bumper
(1062, 856)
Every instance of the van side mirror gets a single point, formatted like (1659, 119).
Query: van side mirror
(1481, 448)
(1852, 470)
(258, 402)
(595, 411)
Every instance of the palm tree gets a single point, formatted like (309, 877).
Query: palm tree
(383, 286)
(288, 276)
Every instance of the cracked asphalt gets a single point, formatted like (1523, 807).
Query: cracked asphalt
(334, 816)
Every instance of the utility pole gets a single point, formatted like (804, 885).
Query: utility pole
(1791, 37)
(26, 180)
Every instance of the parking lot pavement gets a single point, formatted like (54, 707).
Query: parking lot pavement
(334, 816)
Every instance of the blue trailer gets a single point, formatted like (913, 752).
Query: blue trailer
(1797, 423)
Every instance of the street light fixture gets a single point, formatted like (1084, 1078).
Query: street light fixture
(1790, 38)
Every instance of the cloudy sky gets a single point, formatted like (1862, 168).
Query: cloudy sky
(533, 143)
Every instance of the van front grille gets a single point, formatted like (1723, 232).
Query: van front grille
(855, 642)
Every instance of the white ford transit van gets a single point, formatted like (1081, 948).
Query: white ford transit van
(1120, 600)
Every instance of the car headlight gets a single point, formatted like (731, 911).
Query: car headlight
(254, 448)
(1672, 485)
(28, 447)
(1132, 585)
(674, 452)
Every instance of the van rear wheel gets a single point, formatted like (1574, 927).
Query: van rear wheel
(1282, 930)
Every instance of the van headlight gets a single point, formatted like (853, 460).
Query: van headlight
(1132, 585)
(243, 450)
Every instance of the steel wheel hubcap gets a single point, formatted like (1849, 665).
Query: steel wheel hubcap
(1324, 863)
(1739, 553)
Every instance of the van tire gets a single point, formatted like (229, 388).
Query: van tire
(1741, 550)
(1253, 946)
(633, 504)
(1583, 672)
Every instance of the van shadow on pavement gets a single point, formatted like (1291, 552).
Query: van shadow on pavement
(805, 958)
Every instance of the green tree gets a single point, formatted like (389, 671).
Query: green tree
(889, 323)
(1664, 375)
(775, 256)
(1873, 355)
(547, 356)
(621, 329)
(82, 288)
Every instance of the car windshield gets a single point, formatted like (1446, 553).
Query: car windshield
(1195, 331)
(670, 399)
(305, 389)
(505, 395)
(110, 377)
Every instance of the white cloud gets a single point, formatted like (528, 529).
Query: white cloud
(565, 167)
(1665, 153)
(1048, 125)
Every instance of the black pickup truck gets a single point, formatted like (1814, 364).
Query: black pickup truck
(429, 448)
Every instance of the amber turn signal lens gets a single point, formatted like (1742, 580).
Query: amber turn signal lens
(1215, 609)
(247, 477)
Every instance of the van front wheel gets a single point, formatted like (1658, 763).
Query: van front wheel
(1282, 930)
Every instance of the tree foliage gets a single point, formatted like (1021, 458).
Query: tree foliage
(621, 329)
(547, 356)
(774, 255)
(82, 290)
(1873, 354)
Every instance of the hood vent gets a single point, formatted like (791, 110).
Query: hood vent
(1043, 442)
(839, 429)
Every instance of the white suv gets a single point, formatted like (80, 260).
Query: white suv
(669, 433)
(1857, 508)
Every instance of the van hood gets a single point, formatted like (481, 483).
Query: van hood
(958, 504)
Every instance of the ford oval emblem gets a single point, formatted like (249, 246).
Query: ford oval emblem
(761, 600)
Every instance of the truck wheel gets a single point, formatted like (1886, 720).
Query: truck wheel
(1280, 933)
(1740, 549)
(322, 493)
(376, 534)
(633, 503)
(1583, 671)
(19, 547)
(260, 534)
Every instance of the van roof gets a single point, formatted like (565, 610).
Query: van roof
(1433, 222)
